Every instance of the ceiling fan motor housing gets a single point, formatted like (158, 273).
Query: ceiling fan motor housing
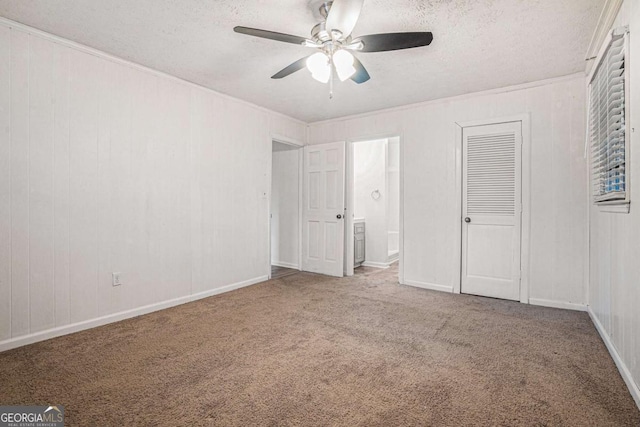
(320, 35)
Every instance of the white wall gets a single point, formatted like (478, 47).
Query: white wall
(108, 167)
(559, 211)
(614, 293)
(285, 220)
(369, 171)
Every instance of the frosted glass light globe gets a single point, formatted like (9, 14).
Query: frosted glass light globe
(318, 64)
(343, 60)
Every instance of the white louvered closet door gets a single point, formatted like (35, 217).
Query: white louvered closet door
(491, 210)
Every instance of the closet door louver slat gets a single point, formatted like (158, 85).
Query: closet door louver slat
(491, 174)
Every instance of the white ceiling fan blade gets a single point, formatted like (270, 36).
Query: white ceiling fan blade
(343, 16)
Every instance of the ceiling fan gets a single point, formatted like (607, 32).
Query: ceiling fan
(335, 43)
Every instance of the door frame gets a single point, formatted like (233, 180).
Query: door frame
(525, 230)
(298, 145)
(349, 200)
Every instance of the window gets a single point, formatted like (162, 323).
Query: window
(607, 120)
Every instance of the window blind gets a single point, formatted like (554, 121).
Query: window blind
(607, 131)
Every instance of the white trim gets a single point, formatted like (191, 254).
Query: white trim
(429, 286)
(286, 140)
(285, 265)
(100, 54)
(376, 264)
(624, 207)
(622, 367)
(558, 304)
(401, 253)
(116, 317)
(457, 247)
(269, 196)
(349, 204)
(538, 83)
(300, 204)
(494, 121)
(525, 241)
(605, 22)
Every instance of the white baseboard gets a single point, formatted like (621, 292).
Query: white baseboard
(430, 286)
(285, 264)
(558, 304)
(393, 257)
(622, 367)
(375, 264)
(111, 318)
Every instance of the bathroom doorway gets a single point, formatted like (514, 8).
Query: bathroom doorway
(373, 237)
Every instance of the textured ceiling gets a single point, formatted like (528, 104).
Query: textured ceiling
(478, 45)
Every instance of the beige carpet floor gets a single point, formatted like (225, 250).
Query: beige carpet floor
(312, 350)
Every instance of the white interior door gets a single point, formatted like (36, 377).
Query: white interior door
(491, 210)
(323, 209)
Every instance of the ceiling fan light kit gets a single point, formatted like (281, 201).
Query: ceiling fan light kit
(332, 37)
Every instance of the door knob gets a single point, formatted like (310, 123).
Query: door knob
(339, 216)
(467, 219)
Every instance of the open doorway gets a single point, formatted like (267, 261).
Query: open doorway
(284, 215)
(375, 202)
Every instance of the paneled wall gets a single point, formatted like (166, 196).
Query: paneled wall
(614, 293)
(108, 167)
(558, 200)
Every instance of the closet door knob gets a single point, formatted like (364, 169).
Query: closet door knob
(339, 216)
(467, 219)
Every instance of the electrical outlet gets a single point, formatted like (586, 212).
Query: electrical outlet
(115, 279)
